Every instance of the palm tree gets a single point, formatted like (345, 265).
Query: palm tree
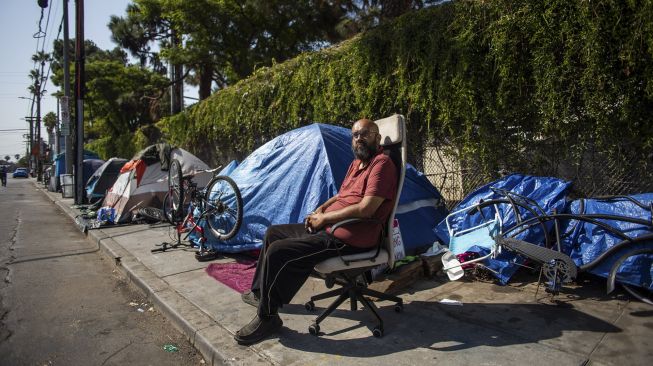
(50, 121)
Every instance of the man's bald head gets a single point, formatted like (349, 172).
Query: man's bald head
(365, 139)
(365, 123)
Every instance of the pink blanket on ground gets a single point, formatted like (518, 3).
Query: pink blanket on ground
(237, 275)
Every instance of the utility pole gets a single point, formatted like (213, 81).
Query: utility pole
(39, 147)
(30, 120)
(79, 94)
(39, 172)
(27, 142)
(65, 101)
(57, 146)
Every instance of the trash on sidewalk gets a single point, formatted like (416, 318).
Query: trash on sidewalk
(431, 259)
(170, 348)
(140, 310)
(400, 278)
(450, 302)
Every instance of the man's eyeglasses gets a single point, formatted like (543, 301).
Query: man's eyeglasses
(362, 134)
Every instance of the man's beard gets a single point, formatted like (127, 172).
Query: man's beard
(363, 151)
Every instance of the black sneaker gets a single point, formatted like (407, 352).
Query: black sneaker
(206, 255)
(258, 329)
(251, 298)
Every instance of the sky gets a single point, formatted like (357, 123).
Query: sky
(19, 22)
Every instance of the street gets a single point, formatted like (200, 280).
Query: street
(63, 303)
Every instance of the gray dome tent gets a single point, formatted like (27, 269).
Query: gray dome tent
(103, 178)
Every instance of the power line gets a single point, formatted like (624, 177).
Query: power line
(54, 16)
(47, 76)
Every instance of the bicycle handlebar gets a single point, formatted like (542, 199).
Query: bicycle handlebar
(212, 171)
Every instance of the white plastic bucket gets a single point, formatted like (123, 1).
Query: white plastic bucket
(67, 187)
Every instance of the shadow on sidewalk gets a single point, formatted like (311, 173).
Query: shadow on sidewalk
(445, 328)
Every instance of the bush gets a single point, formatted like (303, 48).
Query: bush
(489, 78)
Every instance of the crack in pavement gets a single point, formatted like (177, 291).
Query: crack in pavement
(117, 352)
(5, 273)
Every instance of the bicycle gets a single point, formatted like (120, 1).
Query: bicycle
(219, 204)
(556, 267)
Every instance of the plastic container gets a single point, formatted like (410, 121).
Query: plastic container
(67, 186)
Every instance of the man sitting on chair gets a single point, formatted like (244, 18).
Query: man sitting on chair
(291, 251)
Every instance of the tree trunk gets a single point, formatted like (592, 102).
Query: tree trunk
(206, 78)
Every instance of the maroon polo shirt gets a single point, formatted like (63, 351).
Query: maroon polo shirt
(378, 178)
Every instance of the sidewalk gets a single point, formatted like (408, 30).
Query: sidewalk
(496, 325)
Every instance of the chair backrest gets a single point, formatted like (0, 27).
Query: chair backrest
(393, 140)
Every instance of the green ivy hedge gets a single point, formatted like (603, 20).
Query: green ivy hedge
(489, 78)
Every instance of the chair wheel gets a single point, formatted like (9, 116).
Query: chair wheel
(399, 308)
(310, 306)
(377, 332)
(314, 329)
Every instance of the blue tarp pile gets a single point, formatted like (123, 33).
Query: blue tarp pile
(583, 241)
(586, 241)
(549, 194)
(288, 177)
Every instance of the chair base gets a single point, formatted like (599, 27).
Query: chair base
(355, 291)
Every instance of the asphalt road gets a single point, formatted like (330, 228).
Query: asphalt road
(63, 303)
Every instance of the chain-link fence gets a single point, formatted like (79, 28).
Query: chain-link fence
(593, 173)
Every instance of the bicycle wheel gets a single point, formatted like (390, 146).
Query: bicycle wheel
(150, 214)
(167, 209)
(176, 190)
(224, 206)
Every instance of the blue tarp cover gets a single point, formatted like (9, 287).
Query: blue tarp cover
(60, 162)
(549, 193)
(586, 241)
(288, 177)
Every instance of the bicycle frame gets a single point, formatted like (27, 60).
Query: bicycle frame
(183, 226)
(190, 224)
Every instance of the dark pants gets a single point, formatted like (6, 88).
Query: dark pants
(286, 260)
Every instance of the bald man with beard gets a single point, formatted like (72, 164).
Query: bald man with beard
(291, 251)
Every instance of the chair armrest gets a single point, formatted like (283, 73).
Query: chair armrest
(346, 222)
(355, 220)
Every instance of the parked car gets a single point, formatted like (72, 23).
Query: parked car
(21, 173)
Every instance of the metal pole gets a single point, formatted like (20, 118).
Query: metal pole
(26, 137)
(57, 146)
(79, 93)
(65, 101)
(39, 173)
(31, 142)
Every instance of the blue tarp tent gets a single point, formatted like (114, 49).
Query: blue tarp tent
(60, 168)
(288, 177)
(585, 241)
(549, 194)
(60, 162)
